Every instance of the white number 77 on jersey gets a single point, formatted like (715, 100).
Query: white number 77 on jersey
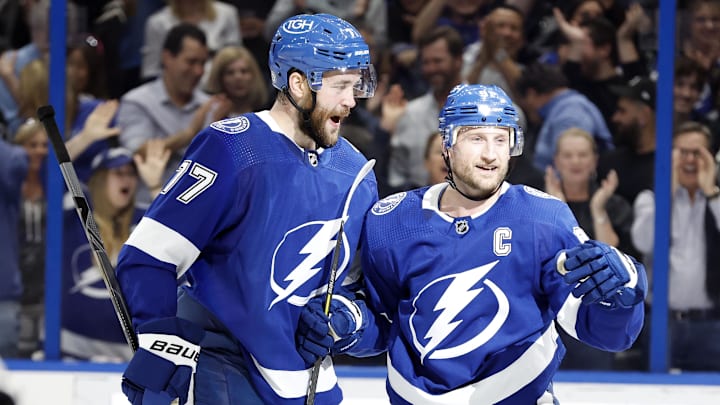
(205, 178)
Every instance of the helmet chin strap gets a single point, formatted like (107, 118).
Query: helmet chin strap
(306, 116)
(449, 178)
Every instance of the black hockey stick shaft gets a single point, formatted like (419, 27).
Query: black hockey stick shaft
(46, 114)
(315, 373)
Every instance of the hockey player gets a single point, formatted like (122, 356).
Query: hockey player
(251, 219)
(473, 274)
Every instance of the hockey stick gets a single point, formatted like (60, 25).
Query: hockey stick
(46, 114)
(315, 373)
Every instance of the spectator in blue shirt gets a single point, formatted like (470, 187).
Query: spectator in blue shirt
(546, 97)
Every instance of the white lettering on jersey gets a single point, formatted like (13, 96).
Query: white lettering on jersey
(205, 178)
(233, 125)
(456, 297)
(501, 246)
(314, 251)
(388, 203)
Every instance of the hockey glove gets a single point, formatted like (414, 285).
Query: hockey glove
(319, 335)
(164, 365)
(603, 274)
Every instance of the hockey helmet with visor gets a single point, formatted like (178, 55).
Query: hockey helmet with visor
(319, 43)
(477, 105)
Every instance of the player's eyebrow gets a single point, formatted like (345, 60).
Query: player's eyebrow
(343, 81)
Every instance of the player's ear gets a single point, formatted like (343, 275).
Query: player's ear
(297, 84)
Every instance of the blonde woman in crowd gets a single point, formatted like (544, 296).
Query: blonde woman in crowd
(605, 216)
(31, 136)
(236, 81)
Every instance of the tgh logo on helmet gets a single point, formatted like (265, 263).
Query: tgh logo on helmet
(298, 26)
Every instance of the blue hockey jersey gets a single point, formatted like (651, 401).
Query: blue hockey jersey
(253, 219)
(472, 301)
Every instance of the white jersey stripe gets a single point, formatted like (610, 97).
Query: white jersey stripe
(492, 389)
(567, 316)
(164, 244)
(294, 383)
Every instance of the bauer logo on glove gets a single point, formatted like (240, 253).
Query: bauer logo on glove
(163, 346)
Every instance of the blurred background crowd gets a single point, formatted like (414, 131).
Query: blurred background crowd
(143, 77)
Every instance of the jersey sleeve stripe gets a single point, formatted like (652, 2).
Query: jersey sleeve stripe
(567, 316)
(164, 244)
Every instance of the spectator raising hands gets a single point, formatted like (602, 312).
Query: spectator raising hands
(151, 164)
(97, 127)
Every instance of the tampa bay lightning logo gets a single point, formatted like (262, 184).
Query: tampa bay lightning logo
(304, 252)
(388, 204)
(234, 125)
(435, 340)
(86, 276)
(537, 193)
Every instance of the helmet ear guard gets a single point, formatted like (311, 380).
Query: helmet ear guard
(319, 43)
(478, 105)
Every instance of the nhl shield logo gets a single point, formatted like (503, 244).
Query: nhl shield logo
(313, 159)
(462, 227)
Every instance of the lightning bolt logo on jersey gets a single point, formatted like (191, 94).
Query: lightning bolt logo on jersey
(462, 291)
(312, 255)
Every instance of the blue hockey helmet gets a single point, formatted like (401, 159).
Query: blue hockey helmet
(477, 105)
(319, 43)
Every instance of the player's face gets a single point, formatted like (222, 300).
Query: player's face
(333, 103)
(121, 186)
(575, 159)
(479, 159)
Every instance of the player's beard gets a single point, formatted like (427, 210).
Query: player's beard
(319, 118)
(469, 182)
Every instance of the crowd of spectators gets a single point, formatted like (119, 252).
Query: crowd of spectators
(143, 77)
